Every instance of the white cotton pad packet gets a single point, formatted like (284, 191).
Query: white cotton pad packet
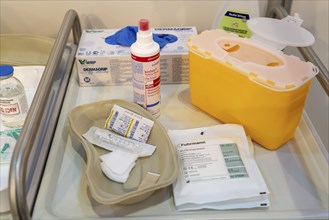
(217, 170)
(118, 164)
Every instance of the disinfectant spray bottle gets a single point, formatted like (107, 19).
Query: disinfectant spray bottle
(145, 54)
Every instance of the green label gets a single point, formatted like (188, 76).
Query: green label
(8, 140)
(235, 22)
(233, 161)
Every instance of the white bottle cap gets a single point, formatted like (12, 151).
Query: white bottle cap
(144, 35)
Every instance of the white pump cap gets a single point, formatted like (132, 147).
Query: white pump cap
(144, 35)
(277, 34)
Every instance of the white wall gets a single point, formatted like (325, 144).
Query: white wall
(44, 18)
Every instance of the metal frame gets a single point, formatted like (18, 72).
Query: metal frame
(281, 9)
(32, 148)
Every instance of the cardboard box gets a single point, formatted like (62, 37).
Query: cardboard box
(100, 64)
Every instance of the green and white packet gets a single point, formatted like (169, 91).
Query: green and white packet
(8, 139)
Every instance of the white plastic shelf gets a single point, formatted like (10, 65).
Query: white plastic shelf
(296, 174)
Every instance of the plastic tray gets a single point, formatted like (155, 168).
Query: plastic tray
(296, 174)
(163, 161)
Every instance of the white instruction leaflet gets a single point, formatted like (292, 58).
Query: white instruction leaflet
(218, 170)
(201, 162)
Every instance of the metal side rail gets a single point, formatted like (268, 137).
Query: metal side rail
(281, 9)
(32, 148)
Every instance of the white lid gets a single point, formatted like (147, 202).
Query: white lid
(267, 67)
(277, 34)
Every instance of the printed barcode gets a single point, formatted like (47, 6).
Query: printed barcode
(133, 129)
(113, 119)
(239, 175)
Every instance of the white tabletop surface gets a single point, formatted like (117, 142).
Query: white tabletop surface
(296, 174)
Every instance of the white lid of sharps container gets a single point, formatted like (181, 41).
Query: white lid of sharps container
(260, 57)
(277, 34)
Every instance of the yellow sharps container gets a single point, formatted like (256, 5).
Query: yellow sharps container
(251, 81)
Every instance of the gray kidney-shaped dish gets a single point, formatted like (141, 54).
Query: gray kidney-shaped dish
(105, 191)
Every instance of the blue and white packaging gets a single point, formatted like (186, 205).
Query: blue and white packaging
(100, 64)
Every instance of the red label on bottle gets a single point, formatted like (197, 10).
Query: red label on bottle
(146, 82)
(12, 109)
(145, 59)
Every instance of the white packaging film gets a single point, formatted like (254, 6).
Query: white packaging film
(113, 142)
(218, 170)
